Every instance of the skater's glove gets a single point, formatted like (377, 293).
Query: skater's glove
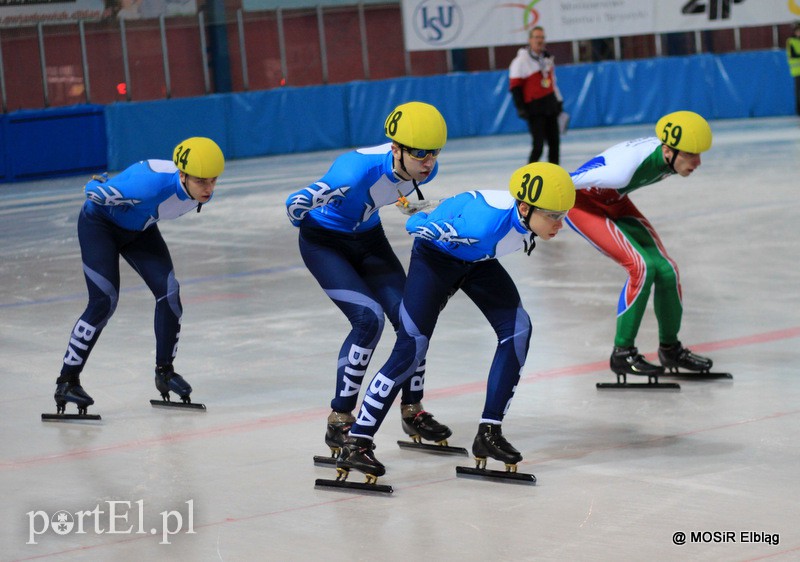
(98, 178)
(410, 207)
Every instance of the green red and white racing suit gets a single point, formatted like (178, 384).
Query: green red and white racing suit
(606, 217)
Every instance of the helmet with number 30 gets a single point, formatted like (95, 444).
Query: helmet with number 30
(200, 157)
(543, 185)
(684, 130)
(416, 125)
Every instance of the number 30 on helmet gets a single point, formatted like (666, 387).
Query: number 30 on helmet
(543, 185)
(685, 131)
(200, 157)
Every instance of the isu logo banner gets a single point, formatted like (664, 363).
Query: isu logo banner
(438, 22)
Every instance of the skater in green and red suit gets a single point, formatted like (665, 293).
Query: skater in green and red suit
(606, 217)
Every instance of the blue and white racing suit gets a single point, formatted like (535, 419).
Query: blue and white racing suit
(456, 247)
(119, 219)
(344, 247)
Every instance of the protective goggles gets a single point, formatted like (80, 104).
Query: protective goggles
(552, 215)
(422, 153)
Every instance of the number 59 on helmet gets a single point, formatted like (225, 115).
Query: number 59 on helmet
(686, 131)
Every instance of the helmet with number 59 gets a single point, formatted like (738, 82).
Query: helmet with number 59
(686, 131)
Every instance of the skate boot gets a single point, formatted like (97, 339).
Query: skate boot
(489, 442)
(419, 424)
(357, 453)
(628, 361)
(72, 391)
(676, 356)
(167, 379)
(339, 424)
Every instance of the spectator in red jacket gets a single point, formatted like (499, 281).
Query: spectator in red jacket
(532, 81)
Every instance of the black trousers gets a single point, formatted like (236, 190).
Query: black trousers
(544, 128)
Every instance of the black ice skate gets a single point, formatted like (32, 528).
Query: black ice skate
(357, 454)
(489, 442)
(337, 430)
(419, 424)
(675, 357)
(71, 391)
(628, 361)
(168, 380)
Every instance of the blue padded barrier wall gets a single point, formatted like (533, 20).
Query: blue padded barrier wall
(3, 136)
(52, 142)
(286, 120)
(138, 131)
(752, 84)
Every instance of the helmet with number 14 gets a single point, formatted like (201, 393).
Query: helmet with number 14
(200, 157)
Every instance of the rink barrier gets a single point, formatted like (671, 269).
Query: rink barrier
(304, 119)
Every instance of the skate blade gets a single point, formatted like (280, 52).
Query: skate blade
(514, 477)
(178, 405)
(651, 384)
(353, 486)
(697, 375)
(433, 448)
(70, 417)
(639, 385)
(319, 460)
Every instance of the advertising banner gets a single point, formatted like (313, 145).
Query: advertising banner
(455, 24)
(15, 13)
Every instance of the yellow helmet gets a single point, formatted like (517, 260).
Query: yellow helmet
(544, 185)
(200, 157)
(416, 125)
(684, 130)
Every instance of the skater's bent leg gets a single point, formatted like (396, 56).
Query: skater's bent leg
(366, 319)
(667, 301)
(413, 389)
(100, 259)
(345, 284)
(650, 265)
(506, 369)
(494, 292)
(409, 350)
(103, 299)
(150, 258)
(386, 277)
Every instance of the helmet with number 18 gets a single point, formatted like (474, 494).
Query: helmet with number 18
(416, 125)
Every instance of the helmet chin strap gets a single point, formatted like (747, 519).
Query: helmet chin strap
(526, 220)
(189, 193)
(671, 162)
(410, 177)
